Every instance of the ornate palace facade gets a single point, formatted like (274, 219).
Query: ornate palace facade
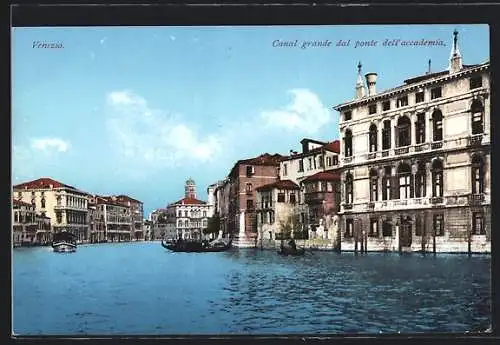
(416, 162)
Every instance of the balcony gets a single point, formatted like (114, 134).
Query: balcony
(372, 155)
(314, 197)
(401, 150)
(348, 159)
(437, 145)
(347, 206)
(475, 140)
(476, 199)
(437, 200)
(385, 153)
(371, 205)
(421, 147)
(248, 191)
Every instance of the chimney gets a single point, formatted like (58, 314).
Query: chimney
(371, 81)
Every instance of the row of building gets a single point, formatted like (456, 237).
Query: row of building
(410, 173)
(45, 206)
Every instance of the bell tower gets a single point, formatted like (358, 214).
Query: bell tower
(190, 189)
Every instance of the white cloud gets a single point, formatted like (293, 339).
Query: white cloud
(103, 40)
(50, 144)
(147, 135)
(305, 112)
(92, 55)
(172, 38)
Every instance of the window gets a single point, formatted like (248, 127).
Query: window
(249, 188)
(281, 197)
(271, 217)
(478, 224)
(402, 101)
(373, 228)
(405, 182)
(349, 226)
(347, 116)
(180, 213)
(292, 198)
(477, 117)
(348, 143)
(437, 178)
(321, 162)
(404, 133)
(437, 122)
(420, 180)
(301, 165)
(349, 188)
(284, 169)
(438, 224)
(335, 160)
(373, 138)
(179, 223)
(420, 129)
(436, 92)
(475, 82)
(16, 216)
(373, 185)
(386, 135)
(386, 105)
(42, 202)
(20, 195)
(249, 204)
(310, 163)
(387, 228)
(58, 217)
(386, 183)
(419, 97)
(329, 161)
(372, 108)
(250, 170)
(185, 213)
(204, 213)
(33, 201)
(477, 175)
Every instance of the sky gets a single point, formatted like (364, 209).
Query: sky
(139, 110)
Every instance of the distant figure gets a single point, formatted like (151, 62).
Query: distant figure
(292, 244)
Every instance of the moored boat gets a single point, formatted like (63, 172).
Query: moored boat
(197, 246)
(64, 242)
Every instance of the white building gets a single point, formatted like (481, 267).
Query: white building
(416, 162)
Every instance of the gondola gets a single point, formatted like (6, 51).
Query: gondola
(291, 250)
(64, 242)
(182, 246)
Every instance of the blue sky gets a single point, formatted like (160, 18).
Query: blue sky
(138, 110)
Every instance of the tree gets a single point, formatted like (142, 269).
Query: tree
(213, 225)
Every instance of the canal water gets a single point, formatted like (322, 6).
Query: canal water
(141, 288)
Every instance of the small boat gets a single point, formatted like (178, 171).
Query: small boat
(64, 242)
(197, 246)
(291, 250)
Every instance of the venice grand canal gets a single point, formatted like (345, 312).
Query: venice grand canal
(141, 288)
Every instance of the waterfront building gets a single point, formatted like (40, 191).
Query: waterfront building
(416, 162)
(137, 214)
(148, 233)
(221, 201)
(316, 156)
(117, 217)
(65, 205)
(44, 230)
(188, 217)
(275, 210)
(24, 223)
(96, 221)
(238, 197)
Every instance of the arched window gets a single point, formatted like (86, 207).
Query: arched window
(386, 135)
(420, 177)
(477, 175)
(349, 188)
(348, 143)
(373, 185)
(373, 138)
(437, 125)
(405, 181)
(477, 110)
(437, 178)
(43, 202)
(386, 183)
(404, 131)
